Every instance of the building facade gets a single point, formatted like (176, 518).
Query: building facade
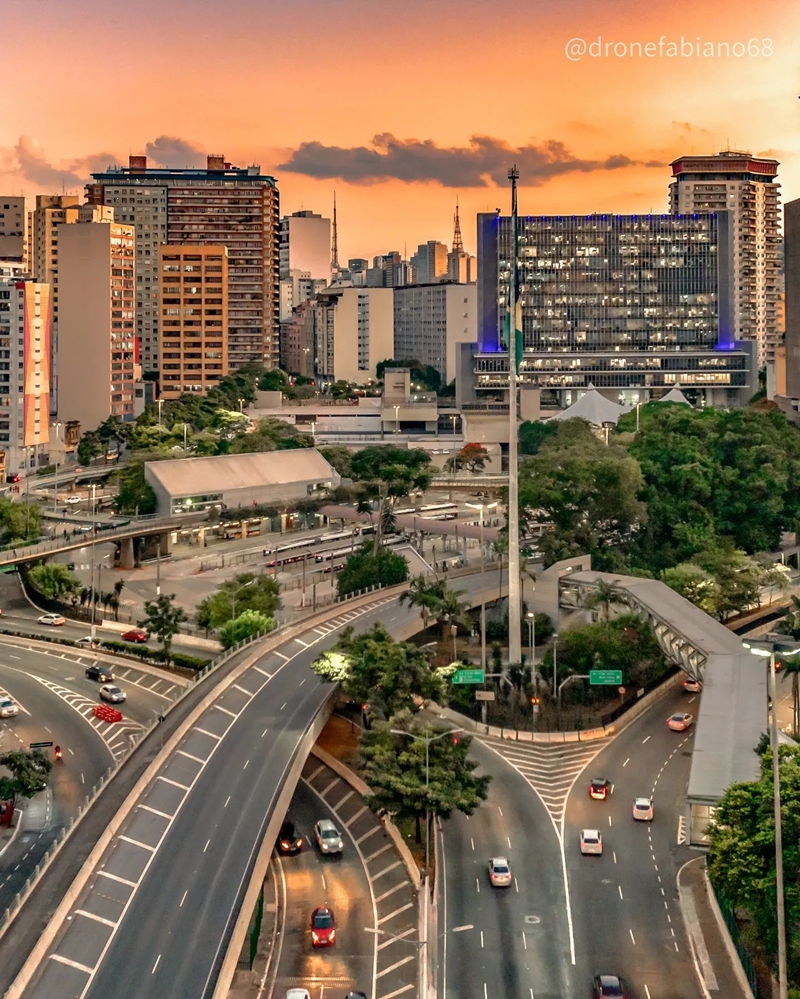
(630, 304)
(24, 368)
(354, 330)
(792, 273)
(220, 205)
(430, 319)
(745, 186)
(97, 350)
(193, 317)
(14, 230)
(297, 341)
(305, 245)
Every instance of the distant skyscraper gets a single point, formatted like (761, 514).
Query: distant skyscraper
(745, 186)
(354, 330)
(13, 230)
(430, 319)
(792, 271)
(335, 241)
(305, 245)
(25, 371)
(461, 267)
(224, 205)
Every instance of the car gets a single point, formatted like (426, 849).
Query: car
(54, 619)
(608, 987)
(135, 635)
(356, 995)
(643, 809)
(13, 477)
(298, 994)
(680, 721)
(599, 788)
(111, 693)
(101, 673)
(323, 927)
(691, 686)
(591, 842)
(500, 873)
(73, 499)
(329, 839)
(288, 840)
(85, 641)
(8, 707)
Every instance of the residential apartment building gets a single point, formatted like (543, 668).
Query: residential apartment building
(51, 212)
(429, 263)
(632, 305)
(97, 299)
(14, 230)
(297, 341)
(354, 330)
(220, 205)
(745, 186)
(305, 245)
(792, 274)
(430, 319)
(193, 318)
(24, 368)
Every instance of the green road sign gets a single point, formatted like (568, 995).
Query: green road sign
(468, 676)
(605, 676)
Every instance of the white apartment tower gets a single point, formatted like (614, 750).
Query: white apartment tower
(354, 330)
(743, 185)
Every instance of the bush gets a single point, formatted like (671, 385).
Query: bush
(364, 569)
(53, 580)
(247, 625)
(155, 656)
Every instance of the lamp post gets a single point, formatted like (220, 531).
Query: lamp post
(234, 595)
(772, 646)
(55, 491)
(482, 507)
(396, 419)
(514, 595)
(160, 405)
(422, 945)
(555, 664)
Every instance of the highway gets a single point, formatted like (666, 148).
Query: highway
(568, 917)
(184, 853)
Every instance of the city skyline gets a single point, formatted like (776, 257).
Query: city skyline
(319, 122)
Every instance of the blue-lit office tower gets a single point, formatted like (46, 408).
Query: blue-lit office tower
(632, 304)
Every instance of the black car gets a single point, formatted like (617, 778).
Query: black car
(100, 673)
(608, 987)
(288, 840)
(356, 995)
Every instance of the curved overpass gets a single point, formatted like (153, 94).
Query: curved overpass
(154, 908)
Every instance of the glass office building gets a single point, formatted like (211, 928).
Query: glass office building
(634, 303)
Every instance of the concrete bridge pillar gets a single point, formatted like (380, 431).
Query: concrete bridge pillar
(166, 543)
(126, 557)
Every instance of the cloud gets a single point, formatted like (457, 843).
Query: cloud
(170, 151)
(34, 166)
(485, 159)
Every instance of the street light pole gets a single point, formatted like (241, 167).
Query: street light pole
(555, 664)
(783, 983)
(514, 599)
(483, 507)
(55, 492)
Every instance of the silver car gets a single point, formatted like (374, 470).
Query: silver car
(111, 693)
(329, 839)
(8, 707)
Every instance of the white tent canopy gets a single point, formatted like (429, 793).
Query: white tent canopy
(675, 395)
(594, 408)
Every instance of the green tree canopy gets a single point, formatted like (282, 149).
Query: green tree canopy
(252, 591)
(18, 521)
(245, 625)
(54, 580)
(533, 433)
(270, 434)
(163, 619)
(340, 457)
(134, 493)
(28, 773)
(365, 569)
(90, 446)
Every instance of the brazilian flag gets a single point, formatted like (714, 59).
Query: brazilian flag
(517, 309)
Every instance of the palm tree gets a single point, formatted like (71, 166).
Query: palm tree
(118, 587)
(451, 610)
(424, 595)
(603, 595)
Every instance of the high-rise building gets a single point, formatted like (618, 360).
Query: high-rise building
(305, 245)
(630, 304)
(745, 186)
(193, 317)
(429, 263)
(51, 212)
(297, 341)
(430, 319)
(96, 276)
(354, 330)
(791, 231)
(14, 230)
(24, 368)
(461, 267)
(219, 205)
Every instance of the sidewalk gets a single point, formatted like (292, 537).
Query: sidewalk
(717, 964)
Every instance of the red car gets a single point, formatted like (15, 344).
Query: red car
(135, 635)
(323, 927)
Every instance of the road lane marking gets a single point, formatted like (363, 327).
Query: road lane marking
(219, 707)
(324, 883)
(155, 811)
(647, 992)
(246, 765)
(83, 779)
(155, 965)
(183, 899)
(524, 941)
(481, 939)
(403, 908)
(509, 842)
(358, 814)
(197, 759)
(206, 846)
(646, 740)
(626, 762)
(388, 943)
(72, 964)
(370, 832)
(473, 843)
(97, 919)
(619, 889)
(478, 885)
(139, 843)
(633, 939)
(264, 732)
(284, 705)
(168, 780)
(485, 991)
(516, 885)
(391, 891)
(609, 820)
(500, 810)
(614, 855)
(391, 867)
(397, 964)
(302, 681)
(226, 801)
(116, 877)
(377, 853)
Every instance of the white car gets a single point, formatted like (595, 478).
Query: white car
(680, 722)
(73, 499)
(591, 842)
(329, 839)
(643, 809)
(111, 692)
(54, 619)
(500, 873)
(691, 685)
(297, 994)
(85, 641)
(8, 707)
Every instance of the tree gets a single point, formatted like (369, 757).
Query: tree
(246, 591)
(113, 430)
(603, 595)
(365, 569)
(246, 625)
(588, 491)
(90, 446)
(388, 676)
(54, 580)
(389, 473)
(270, 434)
(134, 493)
(422, 594)
(163, 619)
(29, 771)
(532, 434)
(741, 859)
(395, 770)
(340, 457)
(693, 583)
(471, 456)
(18, 521)
(273, 381)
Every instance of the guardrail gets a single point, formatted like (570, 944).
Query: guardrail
(33, 879)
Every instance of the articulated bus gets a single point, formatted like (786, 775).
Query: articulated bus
(388, 541)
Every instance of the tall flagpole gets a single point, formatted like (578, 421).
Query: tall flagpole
(514, 596)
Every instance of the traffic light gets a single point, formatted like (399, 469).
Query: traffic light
(454, 739)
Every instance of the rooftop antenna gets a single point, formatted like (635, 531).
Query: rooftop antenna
(458, 242)
(335, 242)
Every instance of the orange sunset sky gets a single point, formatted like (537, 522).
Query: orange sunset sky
(399, 107)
